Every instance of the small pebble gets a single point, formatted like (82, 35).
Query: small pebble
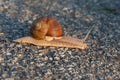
(1, 59)
(8, 54)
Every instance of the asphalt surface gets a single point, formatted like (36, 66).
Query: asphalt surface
(101, 61)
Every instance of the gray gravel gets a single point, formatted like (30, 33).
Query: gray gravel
(101, 61)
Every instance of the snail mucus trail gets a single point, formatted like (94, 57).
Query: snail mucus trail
(46, 28)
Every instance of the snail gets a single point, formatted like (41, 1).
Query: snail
(46, 28)
(47, 31)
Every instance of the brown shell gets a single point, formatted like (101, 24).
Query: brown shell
(55, 29)
(46, 26)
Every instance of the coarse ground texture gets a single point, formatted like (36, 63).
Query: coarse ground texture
(101, 61)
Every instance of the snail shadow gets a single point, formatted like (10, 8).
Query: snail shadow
(12, 28)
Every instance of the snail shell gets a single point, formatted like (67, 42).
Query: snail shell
(46, 26)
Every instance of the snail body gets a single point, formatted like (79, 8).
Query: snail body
(46, 26)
